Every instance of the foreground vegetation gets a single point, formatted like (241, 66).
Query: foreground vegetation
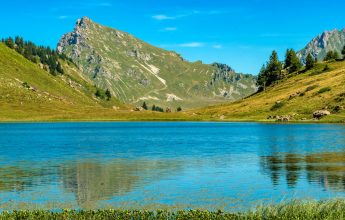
(294, 210)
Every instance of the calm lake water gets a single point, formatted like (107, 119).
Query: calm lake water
(177, 165)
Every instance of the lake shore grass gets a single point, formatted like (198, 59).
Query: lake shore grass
(331, 209)
(107, 115)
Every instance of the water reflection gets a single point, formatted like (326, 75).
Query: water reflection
(89, 181)
(324, 169)
(94, 181)
(14, 178)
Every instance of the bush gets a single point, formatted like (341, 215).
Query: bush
(26, 85)
(323, 90)
(326, 68)
(101, 94)
(310, 88)
(277, 105)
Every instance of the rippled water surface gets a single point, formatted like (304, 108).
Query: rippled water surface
(176, 164)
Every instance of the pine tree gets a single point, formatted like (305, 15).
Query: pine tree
(262, 78)
(98, 93)
(108, 94)
(144, 106)
(310, 62)
(288, 58)
(179, 109)
(59, 68)
(292, 62)
(331, 55)
(274, 68)
(9, 42)
(153, 108)
(343, 52)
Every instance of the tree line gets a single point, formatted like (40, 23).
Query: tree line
(159, 109)
(275, 70)
(37, 54)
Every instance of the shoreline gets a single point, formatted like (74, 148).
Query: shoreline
(170, 120)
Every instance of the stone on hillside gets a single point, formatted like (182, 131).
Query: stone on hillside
(139, 109)
(320, 114)
(282, 118)
(168, 110)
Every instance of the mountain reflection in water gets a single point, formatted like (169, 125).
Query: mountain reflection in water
(92, 181)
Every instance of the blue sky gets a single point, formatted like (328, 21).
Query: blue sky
(241, 33)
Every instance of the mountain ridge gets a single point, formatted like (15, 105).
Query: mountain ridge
(318, 47)
(135, 71)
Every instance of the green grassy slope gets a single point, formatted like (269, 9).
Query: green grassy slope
(26, 91)
(298, 96)
(70, 97)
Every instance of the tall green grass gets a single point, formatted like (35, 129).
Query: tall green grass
(334, 209)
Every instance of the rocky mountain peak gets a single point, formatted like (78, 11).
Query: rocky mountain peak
(84, 21)
(324, 42)
(135, 71)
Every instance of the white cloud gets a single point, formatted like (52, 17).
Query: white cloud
(170, 29)
(188, 44)
(185, 14)
(162, 17)
(191, 44)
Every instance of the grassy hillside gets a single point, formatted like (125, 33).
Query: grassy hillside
(135, 71)
(27, 91)
(298, 96)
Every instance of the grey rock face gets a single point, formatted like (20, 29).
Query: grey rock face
(320, 45)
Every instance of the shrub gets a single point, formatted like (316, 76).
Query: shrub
(277, 105)
(323, 90)
(326, 68)
(101, 94)
(26, 85)
(310, 88)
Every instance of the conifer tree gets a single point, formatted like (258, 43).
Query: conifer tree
(331, 55)
(108, 94)
(144, 106)
(310, 62)
(274, 68)
(292, 62)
